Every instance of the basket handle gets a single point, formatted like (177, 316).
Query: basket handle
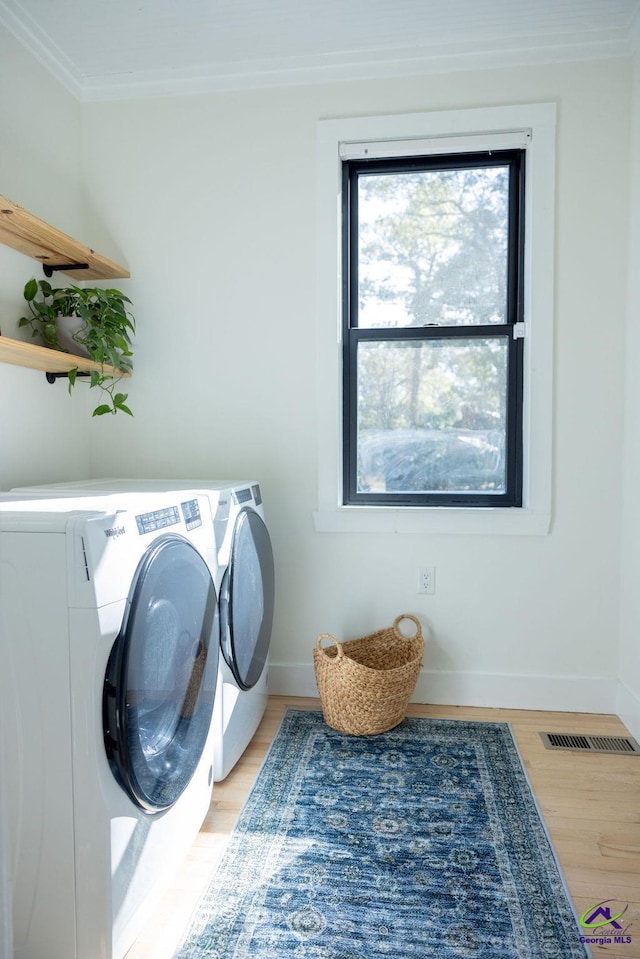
(333, 640)
(414, 619)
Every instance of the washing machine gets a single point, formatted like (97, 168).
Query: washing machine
(109, 638)
(244, 579)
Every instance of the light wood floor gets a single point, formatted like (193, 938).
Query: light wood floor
(590, 804)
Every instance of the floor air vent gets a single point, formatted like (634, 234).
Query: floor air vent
(620, 745)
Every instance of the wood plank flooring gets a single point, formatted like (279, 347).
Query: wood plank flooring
(590, 804)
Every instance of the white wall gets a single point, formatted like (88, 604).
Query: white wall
(212, 200)
(629, 700)
(42, 430)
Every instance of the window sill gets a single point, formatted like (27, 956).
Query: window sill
(437, 520)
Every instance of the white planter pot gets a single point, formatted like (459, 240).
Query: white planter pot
(66, 326)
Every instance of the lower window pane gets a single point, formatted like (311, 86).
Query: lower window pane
(431, 416)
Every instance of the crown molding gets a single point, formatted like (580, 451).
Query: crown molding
(378, 65)
(25, 29)
(298, 71)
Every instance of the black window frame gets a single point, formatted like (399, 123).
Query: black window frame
(512, 330)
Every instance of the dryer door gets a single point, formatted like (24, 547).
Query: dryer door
(161, 676)
(246, 600)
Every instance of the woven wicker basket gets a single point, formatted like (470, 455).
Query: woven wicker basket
(365, 684)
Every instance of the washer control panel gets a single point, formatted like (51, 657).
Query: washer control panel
(158, 519)
(170, 516)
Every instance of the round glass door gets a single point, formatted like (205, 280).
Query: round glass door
(246, 600)
(161, 677)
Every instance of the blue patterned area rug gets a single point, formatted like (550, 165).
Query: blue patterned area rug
(424, 841)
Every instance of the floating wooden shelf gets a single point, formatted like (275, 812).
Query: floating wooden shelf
(42, 358)
(28, 234)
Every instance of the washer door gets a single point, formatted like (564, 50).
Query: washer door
(161, 677)
(246, 600)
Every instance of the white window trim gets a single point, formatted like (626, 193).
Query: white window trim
(334, 136)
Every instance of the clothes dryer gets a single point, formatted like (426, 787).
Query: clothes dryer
(109, 638)
(245, 581)
(247, 590)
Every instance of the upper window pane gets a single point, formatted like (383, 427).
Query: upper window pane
(433, 247)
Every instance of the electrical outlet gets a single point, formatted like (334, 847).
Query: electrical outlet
(427, 580)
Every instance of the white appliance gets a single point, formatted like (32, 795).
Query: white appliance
(244, 579)
(109, 638)
(246, 589)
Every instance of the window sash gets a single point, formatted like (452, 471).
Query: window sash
(512, 495)
(353, 335)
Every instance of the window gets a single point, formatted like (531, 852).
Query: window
(432, 364)
(435, 321)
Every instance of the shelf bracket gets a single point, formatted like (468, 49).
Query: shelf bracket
(49, 270)
(52, 377)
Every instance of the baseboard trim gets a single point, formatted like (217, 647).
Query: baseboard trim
(559, 694)
(628, 710)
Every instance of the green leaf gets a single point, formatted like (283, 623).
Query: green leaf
(102, 409)
(72, 379)
(30, 290)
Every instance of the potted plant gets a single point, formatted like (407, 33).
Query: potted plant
(100, 329)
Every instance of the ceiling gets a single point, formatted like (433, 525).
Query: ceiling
(113, 49)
